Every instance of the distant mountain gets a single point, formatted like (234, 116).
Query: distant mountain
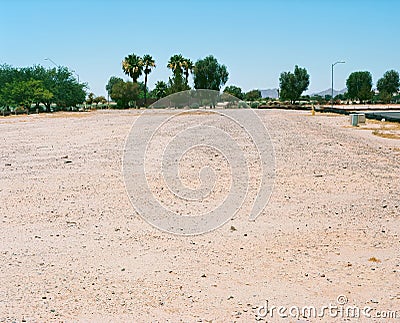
(274, 93)
(269, 93)
(329, 92)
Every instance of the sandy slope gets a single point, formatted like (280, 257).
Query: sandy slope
(72, 247)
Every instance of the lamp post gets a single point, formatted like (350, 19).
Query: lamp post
(338, 62)
(76, 74)
(58, 66)
(49, 59)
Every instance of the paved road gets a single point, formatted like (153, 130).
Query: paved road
(389, 116)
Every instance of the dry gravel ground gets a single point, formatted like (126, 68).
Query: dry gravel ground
(72, 247)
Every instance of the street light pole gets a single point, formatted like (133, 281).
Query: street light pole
(58, 66)
(49, 59)
(338, 62)
(76, 74)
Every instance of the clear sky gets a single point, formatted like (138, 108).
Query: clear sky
(256, 40)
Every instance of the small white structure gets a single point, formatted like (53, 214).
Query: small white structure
(356, 118)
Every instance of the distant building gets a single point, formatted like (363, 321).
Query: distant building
(270, 93)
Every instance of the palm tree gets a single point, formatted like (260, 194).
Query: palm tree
(148, 63)
(188, 66)
(161, 89)
(132, 65)
(175, 63)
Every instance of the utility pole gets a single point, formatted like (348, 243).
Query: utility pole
(338, 62)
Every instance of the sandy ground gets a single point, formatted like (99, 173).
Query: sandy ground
(72, 247)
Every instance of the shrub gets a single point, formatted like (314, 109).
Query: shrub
(242, 104)
(20, 110)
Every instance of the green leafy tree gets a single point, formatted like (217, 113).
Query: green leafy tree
(100, 99)
(142, 90)
(132, 65)
(359, 85)
(209, 74)
(18, 93)
(148, 64)
(253, 95)
(235, 91)
(7, 74)
(113, 80)
(48, 77)
(383, 96)
(125, 93)
(388, 85)
(67, 91)
(90, 98)
(35, 85)
(340, 97)
(25, 93)
(41, 94)
(160, 89)
(319, 99)
(292, 85)
(177, 83)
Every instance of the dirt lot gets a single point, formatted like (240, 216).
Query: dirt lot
(72, 247)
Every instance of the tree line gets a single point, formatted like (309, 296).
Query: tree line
(207, 73)
(39, 88)
(359, 87)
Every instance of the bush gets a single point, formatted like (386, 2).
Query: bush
(20, 110)
(255, 105)
(242, 105)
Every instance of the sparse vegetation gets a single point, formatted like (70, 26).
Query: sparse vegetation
(253, 95)
(390, 130)
(235, 91)
(373, 259)
(39, 89)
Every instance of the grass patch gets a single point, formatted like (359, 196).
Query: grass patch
(189, 112)
(373, 259)
(389, 130)
(328, 114)
(388, 135)
(64, 114)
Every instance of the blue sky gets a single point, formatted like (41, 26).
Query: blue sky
(256, 40)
